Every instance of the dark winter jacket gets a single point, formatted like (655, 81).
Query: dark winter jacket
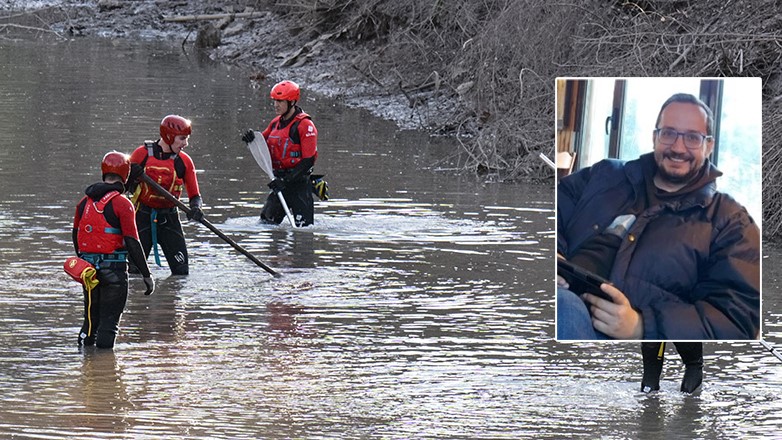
(690, 266)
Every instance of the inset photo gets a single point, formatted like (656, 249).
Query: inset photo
(658, 209)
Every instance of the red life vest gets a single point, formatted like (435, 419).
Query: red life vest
(162, 172)
(175, 173)
(95, 234)
(284, 144)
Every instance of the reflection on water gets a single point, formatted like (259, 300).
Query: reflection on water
(103, 394)
(417, 306)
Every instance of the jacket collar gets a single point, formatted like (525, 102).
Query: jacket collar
(98, 190)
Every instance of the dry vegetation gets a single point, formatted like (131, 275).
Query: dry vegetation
(500, 58)
(495, 59)
(485, 69)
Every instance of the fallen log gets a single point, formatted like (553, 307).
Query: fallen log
(203, 17)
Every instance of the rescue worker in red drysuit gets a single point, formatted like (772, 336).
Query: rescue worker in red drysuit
(166, 163)
(104, 234)
(293, 143)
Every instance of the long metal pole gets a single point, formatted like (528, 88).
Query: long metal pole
(771, 348)
(170, 197)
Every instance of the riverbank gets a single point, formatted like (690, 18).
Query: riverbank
(255, 38)
(482, 72)
(426, 69)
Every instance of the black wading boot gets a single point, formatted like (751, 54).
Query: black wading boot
(86, 341)
(692, 357)
(653, 357)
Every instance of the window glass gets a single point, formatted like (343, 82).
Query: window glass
(643, 99)
(740, 151)
(600, 95)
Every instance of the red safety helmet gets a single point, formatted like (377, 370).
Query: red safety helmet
(172, 126)
(117, 163)
(285, 91)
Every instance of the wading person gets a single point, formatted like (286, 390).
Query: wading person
(654, 355)
(293, 144)
(683, 258)
(105, 235)
(167, 164)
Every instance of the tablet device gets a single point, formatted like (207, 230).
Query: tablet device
(581, 280)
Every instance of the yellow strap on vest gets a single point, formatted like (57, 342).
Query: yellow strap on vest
(134, 199)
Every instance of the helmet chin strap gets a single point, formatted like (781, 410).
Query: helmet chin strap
(163, 144)
(291, 106)
(166, 154)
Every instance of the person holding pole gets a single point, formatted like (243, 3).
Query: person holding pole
(166, 163)
(292, 141)
(202, 219)
(104, 236)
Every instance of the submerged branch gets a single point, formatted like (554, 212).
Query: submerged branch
(30, 28)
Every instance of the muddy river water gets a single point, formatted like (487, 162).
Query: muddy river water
(419, 305)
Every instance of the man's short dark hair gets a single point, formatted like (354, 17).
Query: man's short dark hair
(112, 176)
(689, 99)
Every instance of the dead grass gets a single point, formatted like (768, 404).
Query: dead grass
(484, 70)
(499, 60)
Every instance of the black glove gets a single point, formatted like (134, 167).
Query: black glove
(195, 214)
(136, 171)
(195, 209)
(277, 185)
(150, 283)
(248, 136)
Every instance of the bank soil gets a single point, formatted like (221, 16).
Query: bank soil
(482, 72)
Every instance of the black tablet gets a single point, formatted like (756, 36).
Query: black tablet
(581, 280)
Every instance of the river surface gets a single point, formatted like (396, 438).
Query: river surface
(419, 305)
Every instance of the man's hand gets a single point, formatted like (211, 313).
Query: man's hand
(150, 283)
(248, 136)
(617, 319)
(561, 281)
(277, 185)
(195, 214)
(136, 171)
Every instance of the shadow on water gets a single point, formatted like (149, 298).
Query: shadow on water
(419, 305)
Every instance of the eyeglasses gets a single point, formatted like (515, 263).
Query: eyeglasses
(693, 141)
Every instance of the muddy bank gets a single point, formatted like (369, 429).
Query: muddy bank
(401, 62)
(260, 40)
(254, 37)
(482, 72)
